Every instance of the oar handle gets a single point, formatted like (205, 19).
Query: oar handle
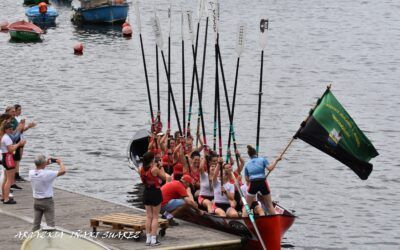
(283, 152)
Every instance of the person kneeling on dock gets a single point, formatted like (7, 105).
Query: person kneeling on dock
(42, 187)
(176, 194)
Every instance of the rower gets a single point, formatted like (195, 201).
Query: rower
(255, 175)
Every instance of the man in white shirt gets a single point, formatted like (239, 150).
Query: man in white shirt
(42, 186)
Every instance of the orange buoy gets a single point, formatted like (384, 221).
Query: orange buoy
(127, 31)
(78, 49)
(42, 7)
(126, 24)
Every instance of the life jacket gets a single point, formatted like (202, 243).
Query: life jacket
(148, 179)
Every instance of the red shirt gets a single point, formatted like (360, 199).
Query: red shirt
(173, 190)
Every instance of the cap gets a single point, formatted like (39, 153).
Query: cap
(178, 168)
(187, 178)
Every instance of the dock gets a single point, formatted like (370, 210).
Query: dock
(74, 211)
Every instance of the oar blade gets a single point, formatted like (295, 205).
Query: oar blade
(137, 14)
(157, 32)
(240, 39)
(264, 26)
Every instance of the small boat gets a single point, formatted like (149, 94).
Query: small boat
(47, 18)
(23, 31)
(60, 239)
(271, 227)
(101, 11)
(34, 2)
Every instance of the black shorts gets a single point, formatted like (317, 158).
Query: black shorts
(223, 206)
(258, 186)
(152, 196)
(17, 154)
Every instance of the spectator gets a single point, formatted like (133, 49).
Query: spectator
(42, 187)
(8, 148)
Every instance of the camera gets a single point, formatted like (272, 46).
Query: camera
(53, 160)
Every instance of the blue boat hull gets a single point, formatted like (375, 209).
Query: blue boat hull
(46, 19)
(102, 14)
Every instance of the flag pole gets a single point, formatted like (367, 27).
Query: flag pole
(263, 28)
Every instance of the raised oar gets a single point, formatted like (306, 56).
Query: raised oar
(200, 117)
(212, 10)
(249, 212)
(230, 114)
(159, 41)
(183, 73)
(139, 28)
(194, 72)
(169, 68)
(263, 42)
(239, 50)
(194, 52)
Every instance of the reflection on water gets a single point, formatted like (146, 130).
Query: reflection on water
(88, 107)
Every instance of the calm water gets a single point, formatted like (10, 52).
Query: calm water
(87, 107)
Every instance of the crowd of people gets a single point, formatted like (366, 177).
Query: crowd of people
(175, 173)
(12, 129)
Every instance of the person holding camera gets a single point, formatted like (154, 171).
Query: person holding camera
(42, 187)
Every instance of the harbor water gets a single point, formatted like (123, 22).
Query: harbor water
(88, 107)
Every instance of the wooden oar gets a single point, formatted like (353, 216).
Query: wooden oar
(263, 28)
(139, 28)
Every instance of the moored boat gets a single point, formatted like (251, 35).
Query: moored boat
(59, 239)
(25, 31)
(42, 19)
(101, 11)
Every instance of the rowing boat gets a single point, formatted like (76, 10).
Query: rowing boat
(271, 227)
(25, 32)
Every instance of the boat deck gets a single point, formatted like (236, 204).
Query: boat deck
(74, 211)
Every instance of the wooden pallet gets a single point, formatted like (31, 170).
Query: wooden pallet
(123, 222)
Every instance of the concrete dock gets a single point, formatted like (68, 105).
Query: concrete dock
(74, 211)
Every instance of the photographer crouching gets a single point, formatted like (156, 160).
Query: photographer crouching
(42, 186)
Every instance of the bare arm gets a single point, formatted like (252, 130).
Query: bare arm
(273, 165)
(189, 199)
(11, 148)
(62, 170)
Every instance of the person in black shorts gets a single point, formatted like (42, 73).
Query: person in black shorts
(255, 175)
(152, 175)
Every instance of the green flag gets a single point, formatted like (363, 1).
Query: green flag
(331, 129)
